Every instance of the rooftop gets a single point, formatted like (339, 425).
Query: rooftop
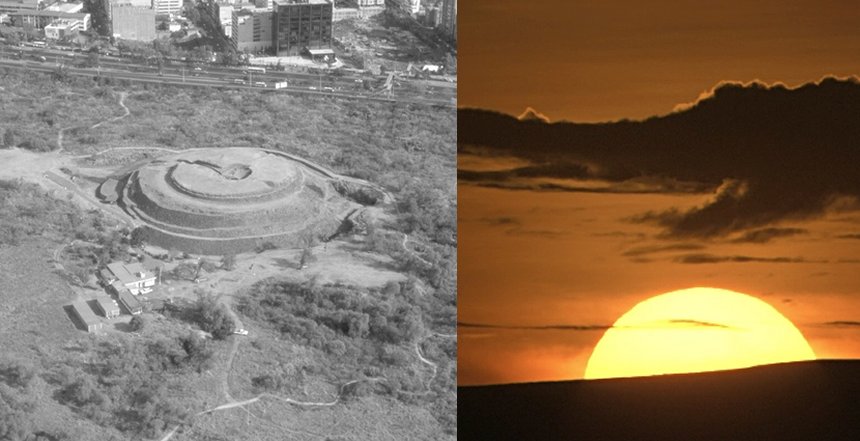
(315, 52)
(65, 7)
(64, 22)
(301, 2)
(85, 312)
(128, 299)
(107, 303)
(129, 272)
(55, 14)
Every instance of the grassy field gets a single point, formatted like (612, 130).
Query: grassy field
(409, 150)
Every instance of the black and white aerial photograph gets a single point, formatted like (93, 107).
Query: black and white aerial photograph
(224, 220)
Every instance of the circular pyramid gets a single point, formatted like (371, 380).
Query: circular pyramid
(230, 200)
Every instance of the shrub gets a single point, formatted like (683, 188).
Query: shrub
(212, 316)
(16, 373)
(265, 246)
(137, 323)
(36, 145)
(266, 382)
(228, 262)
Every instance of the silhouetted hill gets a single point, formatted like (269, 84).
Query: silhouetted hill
(788, 152)
(815, 400)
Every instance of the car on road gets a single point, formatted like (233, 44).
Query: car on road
(241, 331)
(328, 89)
(259, 84)
(238, 81)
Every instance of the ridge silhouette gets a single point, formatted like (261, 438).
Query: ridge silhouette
(812, 400)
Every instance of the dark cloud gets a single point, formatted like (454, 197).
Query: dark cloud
(500, 221)
(533, 232)
(652, 249)
(571, 178)
(698, 323)
(536, 328)
(768, 153)
(655, 324)
(713, 258)
(765, 235)
(843, 323)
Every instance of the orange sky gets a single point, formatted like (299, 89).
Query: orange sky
(531, 259)
(613, 59)
(557, 258)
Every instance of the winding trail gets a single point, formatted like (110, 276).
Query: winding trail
(127, 112)
(61, 133)
(234, 404)
(408, 250)
(427, 362)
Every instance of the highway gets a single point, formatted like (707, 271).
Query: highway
(348, 85)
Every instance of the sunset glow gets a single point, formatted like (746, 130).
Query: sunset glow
(696, 330)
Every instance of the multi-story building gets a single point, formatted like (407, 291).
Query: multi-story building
(139, 3)
(252, 29)
(132, 276)
(301, 25)
(66, 7)
(167, 6)
(130, 22)
(221, 11)
(264, 4)
(41, 19)
(62, 28)
(13, 6)
(414, 6)
(448, 23)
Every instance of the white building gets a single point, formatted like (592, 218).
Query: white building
(71, 8)
(252, 29)
(62, 27)
(167, 6)
(133, 277)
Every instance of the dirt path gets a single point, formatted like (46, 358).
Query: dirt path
(126, 112)
(234, 348)
(427, 362)
(233, 404)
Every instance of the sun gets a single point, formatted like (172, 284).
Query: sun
(696, 330)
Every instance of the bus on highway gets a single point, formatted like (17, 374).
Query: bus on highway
(39, 44)
(255, 69)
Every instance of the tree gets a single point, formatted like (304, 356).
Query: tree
(9, 138)
(206, 265)
(137, 323)
(135, 239)
(191, 12)
(228, 262)
(212, 316)
(185, 271)
(99, 15)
